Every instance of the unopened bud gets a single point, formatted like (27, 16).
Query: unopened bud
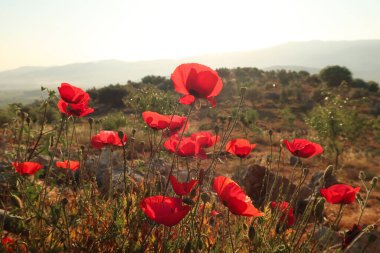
(374, 182)
(318, 209)
(270, 132)
(193, 193)
(305, 172)
(362, 175)
(242, 91)
(133, 132)
(64, 201)
(28, 120)
(188, 201)
(121, 136)
(51, 141)
(82, 148)
(90, 121)
(201, 176)
(217, 130)
(328, 172)
(251, 233)
(205, 197)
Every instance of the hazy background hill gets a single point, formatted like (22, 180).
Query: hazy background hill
(362, 57)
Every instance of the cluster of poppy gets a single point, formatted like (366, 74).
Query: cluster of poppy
(30, 168)
(169, 211)
(194, 81)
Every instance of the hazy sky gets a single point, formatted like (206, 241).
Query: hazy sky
(56, 32)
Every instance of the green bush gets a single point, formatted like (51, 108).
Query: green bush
(337, 123)
(114, 121)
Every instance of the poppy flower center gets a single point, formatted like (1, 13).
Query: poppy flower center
(194, 93)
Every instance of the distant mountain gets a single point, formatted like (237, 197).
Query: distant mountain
(362, 57)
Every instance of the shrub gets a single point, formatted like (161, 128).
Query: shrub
(337, 123)
(114, 121)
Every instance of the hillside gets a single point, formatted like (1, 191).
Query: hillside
(361, 57)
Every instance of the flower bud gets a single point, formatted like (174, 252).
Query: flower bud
(217, 130)
(193, 193)
(328, 172)
(318, 209)
(188, 201)
(64, 201)
(305, 172)
(270, 132)
(121, 136)
(251, 233)
(28, 120)
(201, 176)
(205, 197)
(90, 121)
(362, 175)
(242, 91)
(374, 182)
(133, 132)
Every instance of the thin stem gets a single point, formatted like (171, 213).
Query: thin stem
(229, 231)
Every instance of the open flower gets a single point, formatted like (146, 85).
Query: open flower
(71, 94)
(239, 147)
(68, 164)
(340, 194)
(186, 148)
(79, 110)
(73, 101)
(104, 138)
(164, 210)
(158, 121)
(8, 244)
(233, 197)
(205, 139)
(287, 212)
(182, 188)
(194, 80)
(26, 168)
(303, 148)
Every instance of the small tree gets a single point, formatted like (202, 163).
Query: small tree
(337, 124)
(333, 76)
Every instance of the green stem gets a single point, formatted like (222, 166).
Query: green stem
(229, 231)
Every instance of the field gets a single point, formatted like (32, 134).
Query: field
(232, 160)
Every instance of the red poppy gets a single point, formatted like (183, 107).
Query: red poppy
(205, 139)
(287, 211)
(164, 210)
(186, 148)
(68, 164)
(232, 196)
(79, 110)
(214, 213)
(8, 244)
(351, 234)
(240, 147)
(71, 94)
(26, 168)
(158, 121)
(182, 188)
(303, 148)
(74, 101)
(340, 194)
(194, 80)
(104, 138)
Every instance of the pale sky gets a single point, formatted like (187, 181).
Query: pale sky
(58, 32)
